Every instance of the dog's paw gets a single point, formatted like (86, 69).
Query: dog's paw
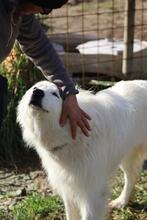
(118, 203)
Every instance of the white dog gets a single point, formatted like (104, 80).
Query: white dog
(80, 169)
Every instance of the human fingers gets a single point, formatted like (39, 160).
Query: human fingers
(73, 126)
(86, 123)
(64, 116)
(85, 114)
(83, 127)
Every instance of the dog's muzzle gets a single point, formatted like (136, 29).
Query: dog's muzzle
(36, 97)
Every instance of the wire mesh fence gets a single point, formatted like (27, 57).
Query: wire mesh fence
(101, 38)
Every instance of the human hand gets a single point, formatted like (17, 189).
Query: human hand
(77, 117)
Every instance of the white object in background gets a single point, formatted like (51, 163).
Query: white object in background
(105, 46)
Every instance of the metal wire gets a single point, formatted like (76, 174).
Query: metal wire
(82, 21)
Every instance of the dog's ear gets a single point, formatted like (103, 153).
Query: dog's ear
(63, 90)
(60, 85)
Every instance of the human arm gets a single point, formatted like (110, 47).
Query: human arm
(39, 49)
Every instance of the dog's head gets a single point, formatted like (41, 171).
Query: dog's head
(43, 97)
(40, 109)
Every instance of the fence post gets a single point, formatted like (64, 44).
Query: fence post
(129, 26)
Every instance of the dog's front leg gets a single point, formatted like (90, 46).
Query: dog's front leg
(72, 211)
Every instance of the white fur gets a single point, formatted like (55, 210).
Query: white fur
(80, 169)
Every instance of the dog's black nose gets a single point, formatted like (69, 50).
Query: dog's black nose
(37, 96)
(38, 93)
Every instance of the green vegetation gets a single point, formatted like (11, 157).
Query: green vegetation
(21, 74)
(37, 207)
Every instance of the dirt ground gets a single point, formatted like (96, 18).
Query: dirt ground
(14, 186)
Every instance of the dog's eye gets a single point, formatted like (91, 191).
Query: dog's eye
(55, 94)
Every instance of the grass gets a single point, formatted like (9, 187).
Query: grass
(35, 207)
(38, 207)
